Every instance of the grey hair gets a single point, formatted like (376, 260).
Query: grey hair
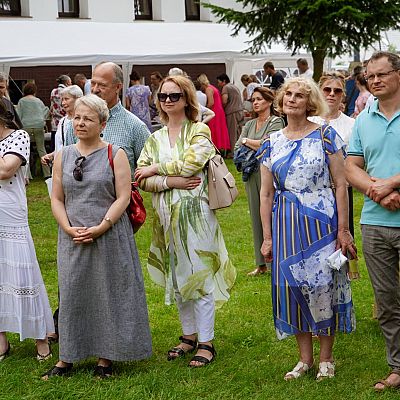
(96, 104)
(3, 77)
(73, 90)
(118, 74)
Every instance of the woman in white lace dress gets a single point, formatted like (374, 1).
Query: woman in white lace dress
(24, 306)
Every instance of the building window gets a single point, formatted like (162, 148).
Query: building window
(192, 9)
(143, 9)
(68, 8)
(10, 7)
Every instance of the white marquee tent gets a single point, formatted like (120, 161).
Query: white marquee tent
(37, 43)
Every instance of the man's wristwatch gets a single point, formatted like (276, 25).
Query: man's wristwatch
(244, 141)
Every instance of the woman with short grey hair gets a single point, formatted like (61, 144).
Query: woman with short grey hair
(103, 311)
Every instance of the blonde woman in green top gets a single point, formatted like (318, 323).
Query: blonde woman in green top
(187, 255)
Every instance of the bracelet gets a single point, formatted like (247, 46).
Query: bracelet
(108, 219)
(165, 184)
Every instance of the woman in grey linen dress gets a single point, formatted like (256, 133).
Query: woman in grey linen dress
(253, 133)
(103, 310)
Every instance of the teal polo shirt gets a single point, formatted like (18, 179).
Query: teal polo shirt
(377, 140)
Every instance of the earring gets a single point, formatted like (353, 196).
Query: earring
(101, 135)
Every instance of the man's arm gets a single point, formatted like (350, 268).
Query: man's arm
(356, 175)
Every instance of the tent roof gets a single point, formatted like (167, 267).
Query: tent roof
(82, 42)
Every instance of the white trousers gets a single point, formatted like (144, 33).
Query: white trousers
(197, 316)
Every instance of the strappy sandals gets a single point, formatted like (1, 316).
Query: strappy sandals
(299, 370)
(387, 385)
(44, 357)
(326, 369)
(178, 352)
(203, 361)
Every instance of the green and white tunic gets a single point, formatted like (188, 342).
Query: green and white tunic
(188, 252)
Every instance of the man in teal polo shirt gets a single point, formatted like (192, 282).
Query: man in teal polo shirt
(373, 167)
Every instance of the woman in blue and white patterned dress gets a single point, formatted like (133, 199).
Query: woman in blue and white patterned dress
(304, 222)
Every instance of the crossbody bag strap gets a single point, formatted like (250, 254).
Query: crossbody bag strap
(62, 132)
(323, 129)
(110, 157)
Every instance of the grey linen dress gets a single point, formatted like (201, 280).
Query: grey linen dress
(103, 310)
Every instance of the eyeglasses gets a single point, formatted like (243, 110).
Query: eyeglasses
(329, 90)
(78, 170)
(379, 75)
(174, 97)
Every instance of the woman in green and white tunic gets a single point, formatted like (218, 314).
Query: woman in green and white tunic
(187, 255)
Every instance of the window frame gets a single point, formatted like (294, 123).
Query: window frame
(15, 8)
(192, 17)
(69, 14)
(146, 17)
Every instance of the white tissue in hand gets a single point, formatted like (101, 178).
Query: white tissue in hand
(336, 260)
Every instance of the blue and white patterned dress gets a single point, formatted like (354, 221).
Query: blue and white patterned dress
(307, 295)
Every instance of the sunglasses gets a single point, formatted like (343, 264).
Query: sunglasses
(78, 170)
(329, 90)
(174, 97)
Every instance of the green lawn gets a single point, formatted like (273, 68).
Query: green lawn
(250, 363)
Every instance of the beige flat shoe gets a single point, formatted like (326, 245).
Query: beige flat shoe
(259, 271)
(326, 370)
(299, 370)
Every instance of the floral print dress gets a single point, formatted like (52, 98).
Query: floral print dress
(187, 253)
(307, 295)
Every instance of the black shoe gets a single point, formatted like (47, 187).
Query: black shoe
(57, 371)
(103, 372)
(178, 352)
(202, 360)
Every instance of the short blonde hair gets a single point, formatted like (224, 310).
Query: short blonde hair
(316, 104)
(202, 78)
(189, 94)
(333, 76)
(96, 104)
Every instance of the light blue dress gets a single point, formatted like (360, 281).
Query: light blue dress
(139, 98)
(307, 295)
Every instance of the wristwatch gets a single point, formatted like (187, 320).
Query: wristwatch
(108, 219)
(244, 141)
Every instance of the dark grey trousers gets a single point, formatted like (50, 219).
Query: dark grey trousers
(381, 246)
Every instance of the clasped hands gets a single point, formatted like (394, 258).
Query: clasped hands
(84, 235)
(383, 192)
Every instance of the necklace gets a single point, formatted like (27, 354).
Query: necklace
(262, 121)
(297, 133)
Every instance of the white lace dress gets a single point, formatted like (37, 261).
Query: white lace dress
(24, 305)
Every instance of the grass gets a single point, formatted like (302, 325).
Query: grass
(251, 362)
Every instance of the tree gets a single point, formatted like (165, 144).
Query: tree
(323, 27)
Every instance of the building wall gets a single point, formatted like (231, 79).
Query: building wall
(45, 78)
(117, 11)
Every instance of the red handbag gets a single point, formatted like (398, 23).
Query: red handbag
(136, 210)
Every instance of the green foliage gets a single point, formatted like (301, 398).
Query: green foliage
(323, 27)
(250, 363)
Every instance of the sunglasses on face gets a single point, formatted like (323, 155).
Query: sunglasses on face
(78, 170)
(328, 90)
(173, 97)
